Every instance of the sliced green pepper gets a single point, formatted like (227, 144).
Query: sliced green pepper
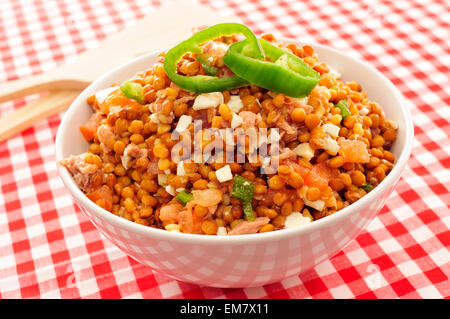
(185, 197)
(284, 73)
(342, 105)
(133, 91)
(206, 65)
(204, 83)
(242, 189)
(248, 211)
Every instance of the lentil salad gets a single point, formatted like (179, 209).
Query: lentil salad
(334, 148)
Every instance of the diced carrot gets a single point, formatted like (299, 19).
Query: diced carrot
(88, 134)
(89, 128)
(353, 151)
(103, 193)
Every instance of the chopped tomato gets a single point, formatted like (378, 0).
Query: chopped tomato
(103, 196)
(89, 128)
(169, 213)
(320, 175)
(302, 170)
(207, 197)
(353, 151)
(189, 222)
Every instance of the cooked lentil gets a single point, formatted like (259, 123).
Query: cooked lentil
(128, 169)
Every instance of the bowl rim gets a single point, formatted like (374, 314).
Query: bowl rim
(147, 231)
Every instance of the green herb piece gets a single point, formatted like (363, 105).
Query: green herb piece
(242, 189)
(367, 187)
(184, 197)
(133, 91)
(342, 105)
(248, 211)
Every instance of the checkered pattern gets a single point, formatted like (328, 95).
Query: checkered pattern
(48, 249)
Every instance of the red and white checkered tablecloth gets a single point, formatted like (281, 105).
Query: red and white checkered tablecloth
(49, 249)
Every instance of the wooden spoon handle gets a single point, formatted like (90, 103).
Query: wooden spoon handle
(39, 83)
(35, 111)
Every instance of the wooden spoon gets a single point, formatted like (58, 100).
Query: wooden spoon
(35, 112)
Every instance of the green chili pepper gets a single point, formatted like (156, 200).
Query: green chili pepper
(204, 83)
(206, 65)
(367, 187)
(133, 91)
(248, 211)
(184, 197)
(242, 188)
(284, 73)
(342, 105)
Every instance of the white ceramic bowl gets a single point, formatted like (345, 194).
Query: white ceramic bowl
(241, 260)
